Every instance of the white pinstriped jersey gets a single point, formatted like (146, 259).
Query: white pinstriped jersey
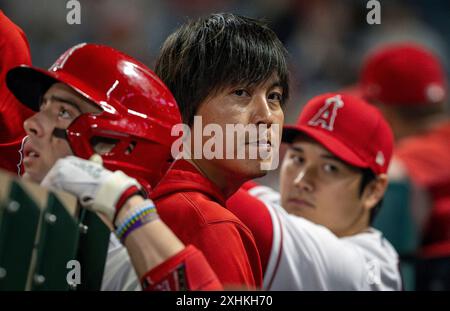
(307, 256)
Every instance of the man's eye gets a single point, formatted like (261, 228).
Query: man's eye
(298, 159)
(240, 92)
(330, 168)
(276, 96)
(64, 113)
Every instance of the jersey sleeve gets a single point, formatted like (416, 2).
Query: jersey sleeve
(254, 214)
(311, 257)
(187, 270)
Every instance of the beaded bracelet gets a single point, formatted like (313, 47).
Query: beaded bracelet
(139, 223)
(140, 216)
(131, 219)
(135, 209)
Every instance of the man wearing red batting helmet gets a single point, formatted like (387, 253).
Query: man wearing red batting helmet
(97, 101)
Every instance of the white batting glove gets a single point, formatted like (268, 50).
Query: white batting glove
(96, 187)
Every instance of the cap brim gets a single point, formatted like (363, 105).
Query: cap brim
(28, 84)
(332, 144)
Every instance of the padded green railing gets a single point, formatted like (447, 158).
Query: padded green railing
(18, 225)
(41, 232)
(396, 222)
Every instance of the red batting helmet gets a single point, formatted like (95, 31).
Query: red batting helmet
(138, 109)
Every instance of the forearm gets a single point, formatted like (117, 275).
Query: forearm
(150, 244)
(156, 253)
(161, 260)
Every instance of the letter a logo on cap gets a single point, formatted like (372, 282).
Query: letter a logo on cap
(327, 114)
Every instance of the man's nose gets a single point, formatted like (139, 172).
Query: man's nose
(304, 179)
(262, 112)
(33, 126)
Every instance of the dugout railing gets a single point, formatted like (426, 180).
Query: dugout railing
(47, 242)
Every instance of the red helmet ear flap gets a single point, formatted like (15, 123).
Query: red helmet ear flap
(137, 155)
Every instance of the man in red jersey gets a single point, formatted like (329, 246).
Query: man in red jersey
(227, 70)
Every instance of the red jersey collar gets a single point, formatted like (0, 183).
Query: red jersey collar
(184, 177)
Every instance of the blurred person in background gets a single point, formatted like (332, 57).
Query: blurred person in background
(14, 50)
(408, 83)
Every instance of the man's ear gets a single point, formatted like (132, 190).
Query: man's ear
(374, 191)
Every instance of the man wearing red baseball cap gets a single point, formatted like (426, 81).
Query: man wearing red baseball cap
(333, 180)
(408, 83)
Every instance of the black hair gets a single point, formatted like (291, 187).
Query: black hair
(221, 50)
(367, 177)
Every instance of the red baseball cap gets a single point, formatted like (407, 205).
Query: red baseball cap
(403, 74)
(350, 128)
